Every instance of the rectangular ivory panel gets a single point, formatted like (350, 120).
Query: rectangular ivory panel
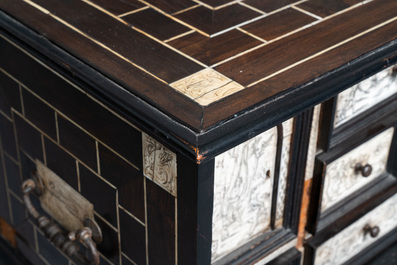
(243, 193)
(354, 238)
(365, 95)
(341, 178)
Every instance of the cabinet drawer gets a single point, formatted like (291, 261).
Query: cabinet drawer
(359, 235)
(344, 175)
(365, 95)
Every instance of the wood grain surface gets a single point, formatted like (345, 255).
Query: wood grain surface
(146, 45)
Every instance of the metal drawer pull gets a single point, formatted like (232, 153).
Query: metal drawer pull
(66, 242)
(373, 231)
(364, 170)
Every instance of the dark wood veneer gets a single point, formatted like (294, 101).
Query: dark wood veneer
(278, 55)
(156, 24)
(40, 114)
(215, 49)
(204, 124)
(78, 142)
(161, 235)
(291, 257)
(119, 7)
(290, 82)
(325, 8)
(214, 21)
(268, 5)
(278, 24)
(7, 133)
(9, 94)
(14, 180)
(152, 56)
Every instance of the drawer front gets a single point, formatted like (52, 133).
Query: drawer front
(365, 95)
(358, 235)
(342, 177)
(244, 185)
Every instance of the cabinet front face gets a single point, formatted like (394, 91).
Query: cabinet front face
(152, 202)
(354, 185)
(129, 177)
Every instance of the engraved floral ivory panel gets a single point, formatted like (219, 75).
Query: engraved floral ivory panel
(243, 188)
(206, 86)
(354, 239)
(365, 95)
(341, 179)
(159, 164)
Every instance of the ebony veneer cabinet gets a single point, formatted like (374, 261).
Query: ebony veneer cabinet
(201, 132)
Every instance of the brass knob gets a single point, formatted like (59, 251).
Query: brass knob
(373, 231)
(364, 170)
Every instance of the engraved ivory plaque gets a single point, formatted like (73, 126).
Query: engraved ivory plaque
(365, 95)
(62, 202)
(243, 190)
(341, 180)
(353, 239)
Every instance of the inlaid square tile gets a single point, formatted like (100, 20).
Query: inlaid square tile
(9, 94)
(278, 24)
(326, 8)
(26, 229)
(109, 247)
(127, 179)
(160, 206)
(4, 206)
(159, 164)
(100, 194)
(206, 86)
(77, 142)
(172, 6)
(7, 136)
(29, 139)
(119, 7)
(213, 50)
(126, 261)
(269, 5)
(133, 239)
(49, 252)
(213, 21)
(18, 211)
(156, 24)
(13, 176)
(216, 3)
(61, 163)
(39, 114)
(28, 252)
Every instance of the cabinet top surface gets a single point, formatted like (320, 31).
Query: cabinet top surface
(203, 61)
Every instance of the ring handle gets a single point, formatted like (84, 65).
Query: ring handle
(67, 243)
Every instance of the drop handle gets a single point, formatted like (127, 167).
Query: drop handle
(373, 231)
(87, 236)
(365, 170)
